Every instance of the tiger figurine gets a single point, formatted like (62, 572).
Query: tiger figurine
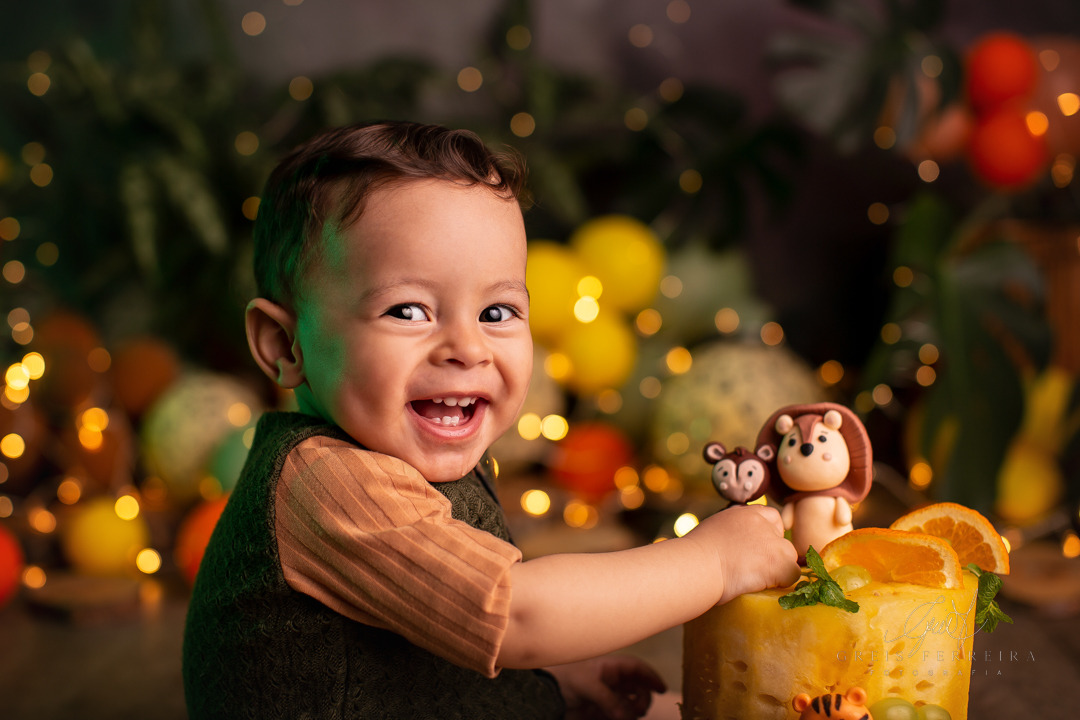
(850, 706)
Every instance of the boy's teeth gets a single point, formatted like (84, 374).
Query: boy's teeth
(451, 421)
(455, 402)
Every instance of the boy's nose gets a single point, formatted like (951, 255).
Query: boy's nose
(462, 344)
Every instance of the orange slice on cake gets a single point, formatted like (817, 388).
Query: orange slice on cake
(969, 533)
(896, 556)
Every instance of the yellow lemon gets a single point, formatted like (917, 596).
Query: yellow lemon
(97, 541)
(627, 257)
(552, 276)
(1029, 482)
(602, 353)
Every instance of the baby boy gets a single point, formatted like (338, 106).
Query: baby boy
(362, 567)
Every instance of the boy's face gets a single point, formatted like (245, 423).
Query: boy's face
(413, 326)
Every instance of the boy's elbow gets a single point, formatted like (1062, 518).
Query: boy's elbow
(519, 648)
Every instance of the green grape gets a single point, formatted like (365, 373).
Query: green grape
(893, 708)
(850, 577)
(933, 712)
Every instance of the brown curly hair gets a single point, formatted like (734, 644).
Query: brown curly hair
(330, 177)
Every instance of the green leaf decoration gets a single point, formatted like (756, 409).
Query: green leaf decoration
(821, 590)
(987, 612)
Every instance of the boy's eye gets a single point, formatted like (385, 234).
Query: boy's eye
(408, 311)
(497, 313)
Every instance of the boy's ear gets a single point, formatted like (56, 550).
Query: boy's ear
(271, 335)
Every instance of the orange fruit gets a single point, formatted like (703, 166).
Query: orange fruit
(896, 556)
(999, 68)
(1004, 152)
(970, 534)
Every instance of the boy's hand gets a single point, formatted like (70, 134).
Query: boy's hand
(751, 549)
(617, 687)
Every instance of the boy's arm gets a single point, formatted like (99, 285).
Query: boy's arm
(569, 607)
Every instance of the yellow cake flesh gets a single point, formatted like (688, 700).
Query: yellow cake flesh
(747, 659)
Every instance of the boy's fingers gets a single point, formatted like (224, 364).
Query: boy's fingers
(773, 516)
(793, 574)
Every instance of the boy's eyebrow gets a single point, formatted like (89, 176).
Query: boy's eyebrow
(378, 291)
(509, 286)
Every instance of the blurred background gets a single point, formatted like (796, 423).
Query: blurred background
(736, 206)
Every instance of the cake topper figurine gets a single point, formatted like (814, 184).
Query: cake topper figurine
(822, 465)
(740, 475)
(849, 706)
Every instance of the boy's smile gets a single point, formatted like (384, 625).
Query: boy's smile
(412, 325)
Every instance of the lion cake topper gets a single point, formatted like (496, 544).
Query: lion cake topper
(822, 464)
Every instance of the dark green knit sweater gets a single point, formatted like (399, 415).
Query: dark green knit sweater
(256, 648)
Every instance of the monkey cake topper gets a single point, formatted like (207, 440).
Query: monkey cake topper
(740, 475)
(822, 464)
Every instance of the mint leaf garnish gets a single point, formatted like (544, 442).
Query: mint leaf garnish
(987, 612)
(823, 589)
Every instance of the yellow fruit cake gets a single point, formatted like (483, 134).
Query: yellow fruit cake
(748, 659)
(908, 644)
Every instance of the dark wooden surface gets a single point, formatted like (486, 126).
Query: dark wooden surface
(126, 664)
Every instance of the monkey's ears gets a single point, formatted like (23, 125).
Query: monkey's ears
(714, 452)
(784, 423)
(833, 419)
(766, 452)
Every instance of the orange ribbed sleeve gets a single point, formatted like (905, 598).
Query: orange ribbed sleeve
(367, 536)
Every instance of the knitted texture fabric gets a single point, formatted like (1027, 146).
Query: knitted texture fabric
(256, 648)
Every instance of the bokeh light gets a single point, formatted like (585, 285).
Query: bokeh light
(921, 475)
(148, 561)
(671, 89)
(650, 387)
(685, 523)
(38, 83)
(253, 23)
(518, 37)
(246, 143)
(690, 181)
(885, 137)
(34, 577)
(726, 320)
(648, 321)
(126, 507)
(12, 446)
(530, 426)
(878, 213)
(678, 360)
(671, 286)
(772, 333)
(535, 502)
(890, 333)
(831, 372)
(929, 171)
(580, 515)
(640, 35)
(9, 228)
(903, 276)
(678, 11)
(586, 309)
(522, 124)
(554, 427)
(41, 520)
(470, 79)
(301, 88)
(636, 119)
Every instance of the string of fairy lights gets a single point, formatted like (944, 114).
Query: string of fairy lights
(589, 304)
